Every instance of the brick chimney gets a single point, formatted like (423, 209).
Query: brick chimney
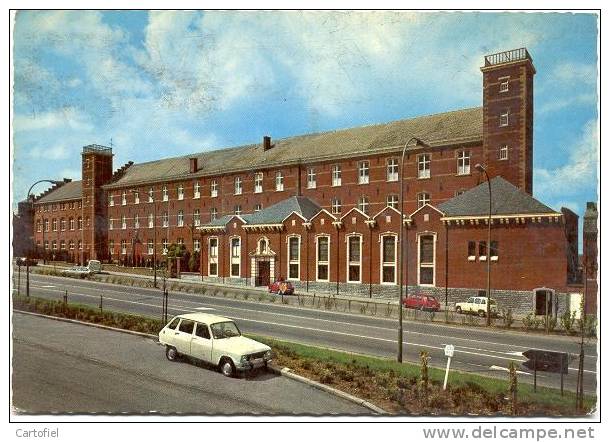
(267, 142)
(192, 165)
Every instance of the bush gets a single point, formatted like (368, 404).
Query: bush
(567, 321)
(507, 317)
(530, 322)
(326, 377)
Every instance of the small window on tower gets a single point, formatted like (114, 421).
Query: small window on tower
(504, 84)
(503, 153)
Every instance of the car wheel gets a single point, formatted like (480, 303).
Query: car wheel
(458, 309)
(171, 353)
(227, 368)
(482, 313)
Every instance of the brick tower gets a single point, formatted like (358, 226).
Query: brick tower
(508, 115)
(96, 171)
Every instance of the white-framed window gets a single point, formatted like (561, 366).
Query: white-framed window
(503, 84)
(80, 223)
(463, 162)
(237, 209)
(503, 152)
(80, 244)
(62, 244)
(388, 258)
(392, 201)
(110, 224)
(213, 213)
(363, 172)
(263, 245)
(111, 247)
(39, 226)
(258, 207)
(180, 218)
(165, 193)
(62, 225)
(504, 118)
(213, 256)
(423, 165)
(294, 257)
(111, 200)
(493, 250)
(165, 219)
(238, 185)
(354, 258)
(151, 247)
(136, 222)
(214, 188)
(335, 206)
(364, 204)
(151, 195)
(426, 256)
(258, 182)
(180, 192)
(123, 222)
(322, 258)
(124, 198)
(180, 241)
(123, 247)
(46, 225)
(472, 250)
(279, 181)
(311, 178)
(196, 245)
(196, 217)
(336, 175)
(165, 244)
(71, 245)
(136, 197)
(151, 221)
(423, 198)
(196, 190)
(392, 169)
(235, 257)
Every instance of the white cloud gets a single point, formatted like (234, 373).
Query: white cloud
(570, 72)
(58, 152)
(557, 104)
(579, 171)
(66, 118)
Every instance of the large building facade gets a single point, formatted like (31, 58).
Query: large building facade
(323, 209)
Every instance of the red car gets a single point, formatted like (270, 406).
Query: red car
(280, 286)
(422, 302)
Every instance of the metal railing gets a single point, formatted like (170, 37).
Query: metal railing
(507, 57)
(97, 148)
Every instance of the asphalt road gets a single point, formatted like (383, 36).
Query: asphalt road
(477, 350)
(60, 367)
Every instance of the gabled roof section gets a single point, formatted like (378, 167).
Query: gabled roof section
(323, 211)
(436, 209)
(72, 190)
(460, 126)
(225, 219)
(506, 199)
(357, 210)
(277, 213)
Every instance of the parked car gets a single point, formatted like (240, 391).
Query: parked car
(477, 305)
(281, 287)
(214, 340)
(77, 271)
(422, 302)
(25, 261)
(94, 266)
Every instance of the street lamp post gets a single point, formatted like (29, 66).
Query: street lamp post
(27, 260)
(401, 245)
(480, 168)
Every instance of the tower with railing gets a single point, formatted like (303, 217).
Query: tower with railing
(96, 171)
(508, 116)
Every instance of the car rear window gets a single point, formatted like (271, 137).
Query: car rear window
(186, 326)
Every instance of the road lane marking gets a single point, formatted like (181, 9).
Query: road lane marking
(204, 308)
(495, 367)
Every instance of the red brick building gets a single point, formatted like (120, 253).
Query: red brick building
(323, 209)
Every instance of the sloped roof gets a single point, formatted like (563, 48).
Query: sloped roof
(274, 214)
(439, 129)
(69, 191)
(506, 199)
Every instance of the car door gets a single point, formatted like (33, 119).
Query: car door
(168, 333)
(201, 345)
(184, 336)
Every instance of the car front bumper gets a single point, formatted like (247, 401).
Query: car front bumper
(253, 364)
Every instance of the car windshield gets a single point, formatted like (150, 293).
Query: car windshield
(222, 330)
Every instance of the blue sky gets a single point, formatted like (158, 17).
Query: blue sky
(170, 83)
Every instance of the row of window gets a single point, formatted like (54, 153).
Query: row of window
(423, 171)
(387, 266)
(150, 246)
(59, 224)
(482, 249)
(52, 245)
(60, 206)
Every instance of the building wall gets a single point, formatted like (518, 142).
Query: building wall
(66, 210)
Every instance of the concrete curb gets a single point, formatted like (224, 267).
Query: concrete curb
(90, 324)
(286, 372)
(283, 372)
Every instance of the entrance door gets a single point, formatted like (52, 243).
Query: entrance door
(264, 272)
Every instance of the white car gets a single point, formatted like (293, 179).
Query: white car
(215, 340)
(477, 305)
(77, 270)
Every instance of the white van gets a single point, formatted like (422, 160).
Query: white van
(94, 266)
